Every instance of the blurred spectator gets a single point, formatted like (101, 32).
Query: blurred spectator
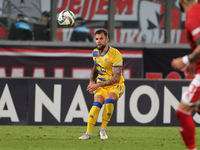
(80, 32)
(42, 29)
(45, 18)
(20, 30)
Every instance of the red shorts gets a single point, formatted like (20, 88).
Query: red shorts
(192, 95)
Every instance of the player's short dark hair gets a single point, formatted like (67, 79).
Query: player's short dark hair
(102, 31)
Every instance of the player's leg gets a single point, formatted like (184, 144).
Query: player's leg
(93, 115)
(107, 113)
(114, 93)
(187, 125)
(188, 103)
(108, 108)
(94, 112)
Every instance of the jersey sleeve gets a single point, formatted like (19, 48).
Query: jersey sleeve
(117, 60)
(192, 25)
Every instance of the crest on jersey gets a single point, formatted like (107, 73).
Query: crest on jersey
(119, 88)
(106, 60)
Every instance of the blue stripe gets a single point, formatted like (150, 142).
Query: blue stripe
(117, 66)
(95, 53)
(110, 101)
(97, 104)
(102, 79)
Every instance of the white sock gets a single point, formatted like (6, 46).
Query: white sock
(102, 128)
(88, 133)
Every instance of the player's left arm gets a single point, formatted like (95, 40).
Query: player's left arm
(117, 71)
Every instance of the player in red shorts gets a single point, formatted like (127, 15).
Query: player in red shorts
(189, 64)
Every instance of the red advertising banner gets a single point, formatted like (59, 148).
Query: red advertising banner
(134, 21)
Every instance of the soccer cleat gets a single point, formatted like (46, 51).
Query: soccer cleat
(85, 136)
(102, 134)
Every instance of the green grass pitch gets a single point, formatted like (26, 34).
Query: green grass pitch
(66, 138)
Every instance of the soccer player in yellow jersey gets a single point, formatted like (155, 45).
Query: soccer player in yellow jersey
(109, 85)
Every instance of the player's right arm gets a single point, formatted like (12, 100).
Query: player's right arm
(179, 63)
(193, 27)
(92, 79)
(94, 74)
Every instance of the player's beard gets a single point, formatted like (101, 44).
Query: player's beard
(101, 48)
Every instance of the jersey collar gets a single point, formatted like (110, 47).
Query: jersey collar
(105, 52)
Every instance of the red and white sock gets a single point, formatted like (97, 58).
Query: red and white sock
(187, 128)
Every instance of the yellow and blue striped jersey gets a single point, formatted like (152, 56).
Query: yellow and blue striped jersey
(104, 63)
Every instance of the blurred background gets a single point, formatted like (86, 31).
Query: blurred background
(149, 33)
(134, 21)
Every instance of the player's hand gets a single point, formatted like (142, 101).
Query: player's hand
(189, 69)
(92, 87)
(177, 63)
(91, 82)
